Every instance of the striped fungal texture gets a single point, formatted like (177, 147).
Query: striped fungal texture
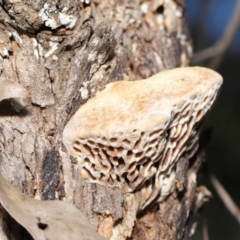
(133, 133)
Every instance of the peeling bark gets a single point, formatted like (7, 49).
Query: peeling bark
(63, 52)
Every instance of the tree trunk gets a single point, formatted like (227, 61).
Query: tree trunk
(63, 52)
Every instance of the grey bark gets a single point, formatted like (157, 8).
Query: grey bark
(63, 52)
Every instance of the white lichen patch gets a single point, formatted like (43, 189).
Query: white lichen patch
(52, 49)
(69, 21)
(84, 93)
(55, 58)
(133, 133)
(144, 7)
(169, 18)
(53, 18)
(85, 1)
(35, 48)
(160, 18)
(16, 37)
(39, 51)
(92, 56)
(4, 52)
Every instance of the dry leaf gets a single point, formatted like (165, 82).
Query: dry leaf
(10, 89)
(46, 219)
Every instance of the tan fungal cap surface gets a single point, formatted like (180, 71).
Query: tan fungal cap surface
(132, 133)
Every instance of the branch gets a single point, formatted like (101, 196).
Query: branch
(225, 197)
(217, 51)
(205, 230)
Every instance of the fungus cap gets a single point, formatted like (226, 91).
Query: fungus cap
(132, 133)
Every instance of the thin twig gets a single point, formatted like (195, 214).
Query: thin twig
(205, 230)
(225, 197)
(217, 51)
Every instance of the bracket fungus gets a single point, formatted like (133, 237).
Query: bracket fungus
(132, 133)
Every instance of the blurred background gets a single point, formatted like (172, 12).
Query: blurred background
(215, 30)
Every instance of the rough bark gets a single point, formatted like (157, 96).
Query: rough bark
(63, 52)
